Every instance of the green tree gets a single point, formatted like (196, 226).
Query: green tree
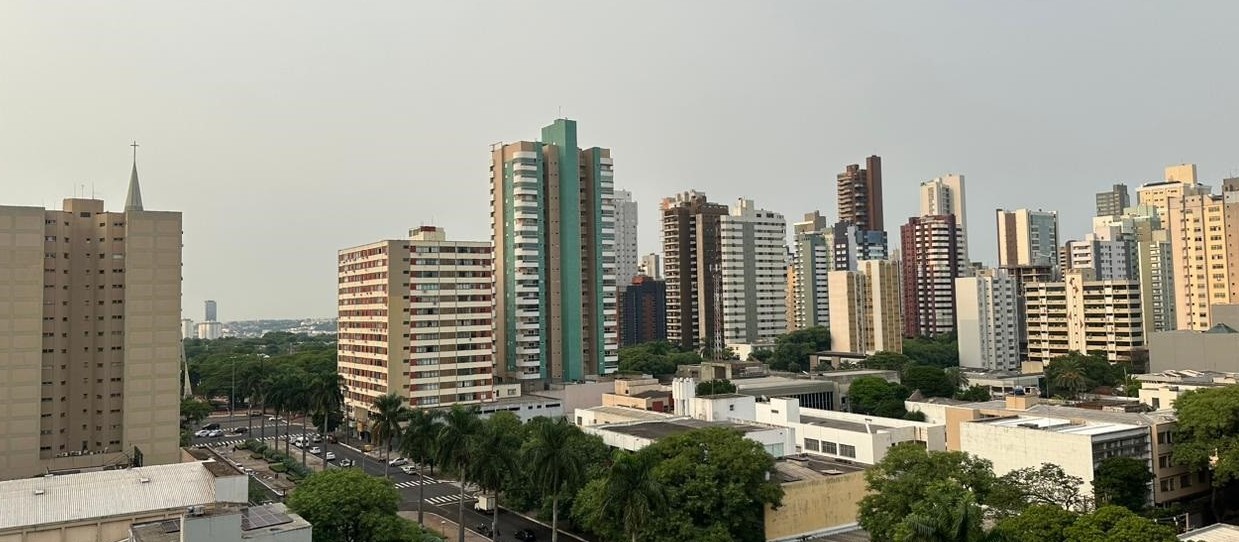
(931, 381)
(1122, 481)
(419, 444)
(554, 462)
(386, 413)
(761, 354)
(193, 411)
(875, 396)
(715, 387)
(326, 397)
(1208, 435)
(792, 350)
(903, 478)
(654, 358)
(456, 446)
(346, 505)
(1047, 485)
(1066, 375)
(888, 361)
(974, 393)
(627, 496)
(948, 513)
(1117, 524)
(494, 455)
(941, 351)
(1036, 523)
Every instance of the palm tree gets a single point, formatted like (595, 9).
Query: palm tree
(386, 415)
(326, 396)
(957, 521)
(554, 462)
(1069, 375)
(418, 444)
(494, 458)
(454, 447)
(631, 492)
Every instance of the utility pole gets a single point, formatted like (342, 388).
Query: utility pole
(232, 397)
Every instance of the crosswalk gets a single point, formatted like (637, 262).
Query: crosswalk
(448, 499)
(414, 483)
(222, 443)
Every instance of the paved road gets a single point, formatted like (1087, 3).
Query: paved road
(442, 495)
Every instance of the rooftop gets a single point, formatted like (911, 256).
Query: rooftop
(631, 413)
(1218, 532)
(651, 394)
(805, 467)
(121, 492)
(844, 425)
(255, 520)
(655, 430)
(1090, 414)
(1058, 425)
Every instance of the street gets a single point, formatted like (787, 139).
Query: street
(442, 495)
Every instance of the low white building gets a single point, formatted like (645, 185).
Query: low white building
(1160, 390)
(267, 523)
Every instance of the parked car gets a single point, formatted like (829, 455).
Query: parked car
(241, 430)
(409, 469)
(211, 426)
(398, 462)
(346, 462)
(317, 437)
(316, 450)
(255, 413)
(329, 456)
(215, 433)
(202, 432)
(526, 535)
(484, 530)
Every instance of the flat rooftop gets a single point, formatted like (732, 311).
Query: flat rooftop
(844, 425)
(807, 467)
(255, 521)
(655, 430)
(122, 492)
(775, 385)
(1058, 425)
(631, 413)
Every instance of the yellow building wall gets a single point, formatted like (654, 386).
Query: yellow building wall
(815, 505)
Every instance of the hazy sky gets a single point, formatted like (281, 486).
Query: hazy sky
(287, 130)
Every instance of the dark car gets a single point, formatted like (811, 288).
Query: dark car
(241, 430)
(484, 530)
(525, 535)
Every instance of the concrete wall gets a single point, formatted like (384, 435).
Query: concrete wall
(21, 308)
(1177, 350)
(816, 505)
(1011, 448)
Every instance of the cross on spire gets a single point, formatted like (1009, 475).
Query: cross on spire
(135, 150)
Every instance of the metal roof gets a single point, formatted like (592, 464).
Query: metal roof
(109, 493)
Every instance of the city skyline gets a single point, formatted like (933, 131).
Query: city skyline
(291, 152)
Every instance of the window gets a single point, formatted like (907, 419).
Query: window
(1185, 481)
(847, 450)
(812, 445)
(830, 448)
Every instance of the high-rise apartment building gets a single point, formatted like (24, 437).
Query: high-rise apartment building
(932, 259)
(1113, 201)
(1204, 244)
(643, 311)
(415, 320)
(865, 308)
(652, 266)
(626, 255)
(754, 274)
(987, 323)
(692, 252)
(1082, 314)
(1150, 261)
(553, 232)
(945, 196)
(90, 305)
(1180, 183)
(812, 260)
(1027, 237)
(853, 245)
(188, 331)
(1181, 173)
(212, 312)
(860, 195)
(210, 330)
(1024, 274)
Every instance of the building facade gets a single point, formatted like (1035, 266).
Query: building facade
(692, 252)
(553, 229)
(1082, 314)
(853, 245)
(211, 311)
(865, 308)
(414, 320)
(754, 274)
(811, 261)
(643, 311)
(91, 311)
(932, 259)
(1027, 237)
(1204, 246)
(987, 323)
(1112, 202)
(945, 196)
(860, 195)
(652, 266)
(626, 255)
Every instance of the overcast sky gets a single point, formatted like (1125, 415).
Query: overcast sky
(287, 130)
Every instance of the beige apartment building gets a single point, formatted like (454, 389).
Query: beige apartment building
(90, 318)
(1083, 315)
(1204, 245)
(415, 320)
(1180, 182)
(866, 313)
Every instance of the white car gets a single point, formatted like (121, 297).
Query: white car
(398, 461)
(329, 456)
(215, 434)
(201, 433)
(316, 450)
(409, 469)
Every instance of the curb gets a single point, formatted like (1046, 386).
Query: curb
(547, 525)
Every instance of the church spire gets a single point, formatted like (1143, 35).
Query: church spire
(133, 202)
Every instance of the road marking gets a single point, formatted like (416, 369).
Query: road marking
(415, 483)
(448, 499)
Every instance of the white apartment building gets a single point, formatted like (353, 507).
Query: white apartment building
(415, 320)
(1081, 314)
(210, 330)
(1109, 259)
(652, 266)
(987, 316)
(945, 196)
(754, 274)
(626, 256)
(812, 260)
(866, 312)
(1027, 237)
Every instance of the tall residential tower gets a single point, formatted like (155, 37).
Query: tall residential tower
(626, 256)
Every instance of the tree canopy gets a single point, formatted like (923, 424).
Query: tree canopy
(715, 387)
(931, 381)
(655, 358)
(1017, 491)
(909, 475)
(792, 350)
(1122, 481)
(1076, 373)
(941, 351)
(348, 505)
(888, 361)
(875, 396)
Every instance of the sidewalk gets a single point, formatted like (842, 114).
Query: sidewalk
(444, 526)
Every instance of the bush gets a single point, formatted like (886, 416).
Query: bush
(270, 454)
(279, 467)
(250, 444)
(258, 447)
(256, 456)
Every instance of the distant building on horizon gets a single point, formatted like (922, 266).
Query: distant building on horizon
(652, 266)
(860, 195)
(212, 314)
(553, 224)
(692, 252)
(812, 260)
(754, 280)
(1027, 238)
(932, 259)
(1113, 201)
(643, 311)
(91, 374)
(626, 255)
(866, 309)
(987, 320)
(942, 196)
